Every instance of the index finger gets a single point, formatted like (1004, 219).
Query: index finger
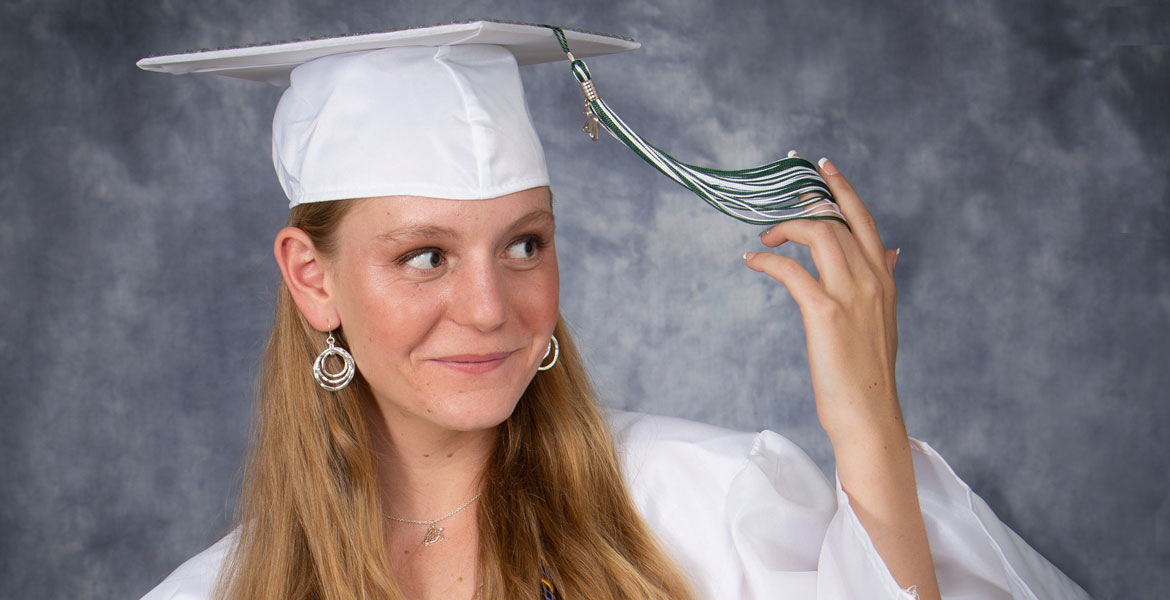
(860, 220)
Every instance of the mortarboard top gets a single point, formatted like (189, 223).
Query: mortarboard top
(272, 63)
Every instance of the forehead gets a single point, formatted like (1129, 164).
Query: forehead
(392, 217)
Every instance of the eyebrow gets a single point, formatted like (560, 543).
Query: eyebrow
(413, 232)
(540, 215)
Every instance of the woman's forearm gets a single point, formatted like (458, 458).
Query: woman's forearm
(876, 471)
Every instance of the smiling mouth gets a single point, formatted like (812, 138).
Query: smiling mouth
(474, 363)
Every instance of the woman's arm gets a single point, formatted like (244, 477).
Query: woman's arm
(850, 320)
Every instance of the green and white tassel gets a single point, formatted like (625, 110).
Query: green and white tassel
(787, 189)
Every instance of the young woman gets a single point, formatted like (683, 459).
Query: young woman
(425, 428)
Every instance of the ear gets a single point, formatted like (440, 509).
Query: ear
(303, 269)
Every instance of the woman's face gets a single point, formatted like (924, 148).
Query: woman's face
(447, 305)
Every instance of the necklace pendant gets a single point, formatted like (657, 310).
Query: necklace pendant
(432, 535)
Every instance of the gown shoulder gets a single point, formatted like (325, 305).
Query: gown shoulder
(196, 578)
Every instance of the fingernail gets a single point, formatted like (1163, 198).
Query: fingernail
(748, 255)
(792, 153)
(827, 166)
(765, 232)
(897, 252)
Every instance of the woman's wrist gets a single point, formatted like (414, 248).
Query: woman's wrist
(869, 419)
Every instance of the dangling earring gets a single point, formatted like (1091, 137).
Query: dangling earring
(333, 381)
(554, 348)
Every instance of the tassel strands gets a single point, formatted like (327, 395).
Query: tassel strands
(786, 189)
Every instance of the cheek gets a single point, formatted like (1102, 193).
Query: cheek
(538, 300)
(385, 319)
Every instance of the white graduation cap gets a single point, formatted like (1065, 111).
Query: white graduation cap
(440, 112)
(432, 111)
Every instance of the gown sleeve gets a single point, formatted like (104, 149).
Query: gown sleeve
(751, 517)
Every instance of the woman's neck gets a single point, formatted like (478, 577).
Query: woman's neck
(426, 471)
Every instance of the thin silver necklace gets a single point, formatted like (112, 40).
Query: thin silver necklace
(434, 534)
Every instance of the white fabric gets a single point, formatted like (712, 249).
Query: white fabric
(442, 122)
(751, 517)
(272, 62)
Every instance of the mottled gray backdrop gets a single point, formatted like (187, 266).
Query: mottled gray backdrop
(1016, 151)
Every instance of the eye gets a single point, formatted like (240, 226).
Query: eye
(524, 248)
(423, 259)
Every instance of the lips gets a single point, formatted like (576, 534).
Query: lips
(474, 363)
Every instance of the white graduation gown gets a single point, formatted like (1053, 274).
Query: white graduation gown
(751, 517)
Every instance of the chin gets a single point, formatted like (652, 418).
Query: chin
(473, 411)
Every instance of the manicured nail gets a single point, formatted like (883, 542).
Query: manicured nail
(827, 166)
(748, 255)
(765, 232)
(792, 153)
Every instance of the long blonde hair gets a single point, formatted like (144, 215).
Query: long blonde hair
(309, 523)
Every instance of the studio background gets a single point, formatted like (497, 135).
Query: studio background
(1015, 151)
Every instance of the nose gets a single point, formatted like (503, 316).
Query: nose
(479, 298)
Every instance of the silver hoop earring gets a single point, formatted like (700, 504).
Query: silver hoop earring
(554, 348)
(333, 381)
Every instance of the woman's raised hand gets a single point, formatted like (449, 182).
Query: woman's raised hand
(849, 312)
(851, 330)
